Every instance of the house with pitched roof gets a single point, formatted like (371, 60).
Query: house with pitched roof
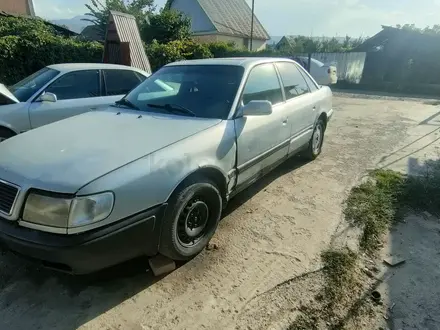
(226, 20)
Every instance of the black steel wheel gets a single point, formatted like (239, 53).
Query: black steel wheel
(191, 219)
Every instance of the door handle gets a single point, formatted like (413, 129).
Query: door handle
(314, 108)
(93, 108)
(285, 121)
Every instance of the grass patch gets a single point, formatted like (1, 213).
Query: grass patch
(374, 205)
(384, 198)
(340, 275)
(306, 321)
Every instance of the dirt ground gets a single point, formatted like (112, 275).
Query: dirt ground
(272, 233)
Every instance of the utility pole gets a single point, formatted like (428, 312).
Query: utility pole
(252, 23)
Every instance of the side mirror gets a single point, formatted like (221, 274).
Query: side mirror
(257, 108)
(48, 97)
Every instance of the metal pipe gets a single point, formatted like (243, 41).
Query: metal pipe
(252, 24)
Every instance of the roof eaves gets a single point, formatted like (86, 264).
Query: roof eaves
(262, 27)
(204, 33)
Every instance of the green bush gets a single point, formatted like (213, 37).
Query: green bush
(178, 50)
(28, 45)
(223, 49)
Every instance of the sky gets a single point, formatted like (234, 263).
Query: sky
(304, 17)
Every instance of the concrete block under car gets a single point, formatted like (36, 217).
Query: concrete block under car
(161, 265)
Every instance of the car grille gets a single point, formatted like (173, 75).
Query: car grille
(8, 194)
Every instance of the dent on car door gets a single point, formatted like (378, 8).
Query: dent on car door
(300, 103)
(76, 92)
(119, 83)
(261, 140)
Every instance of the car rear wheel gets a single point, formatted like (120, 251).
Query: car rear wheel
(5, 134)
(314, 148)
(191, 219)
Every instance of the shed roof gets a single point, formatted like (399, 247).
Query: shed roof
(127, 31)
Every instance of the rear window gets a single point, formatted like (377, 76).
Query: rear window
(120, 82)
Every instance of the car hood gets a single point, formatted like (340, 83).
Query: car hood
(6, 97)
(66, 155)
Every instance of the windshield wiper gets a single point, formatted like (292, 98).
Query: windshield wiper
(173, 108)
(127, 103)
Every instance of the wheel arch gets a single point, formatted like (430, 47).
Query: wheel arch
(210, 172)
(324, 118)
(7, 128)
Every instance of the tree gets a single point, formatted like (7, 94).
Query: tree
(99, 11)
(434, 30)
(166, 26)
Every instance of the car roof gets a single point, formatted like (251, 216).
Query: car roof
(245, 62)
(68, 67)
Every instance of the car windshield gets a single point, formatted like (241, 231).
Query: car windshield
(205, 91)
(24, 89)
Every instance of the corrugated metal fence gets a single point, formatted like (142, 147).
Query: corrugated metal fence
(350, 66)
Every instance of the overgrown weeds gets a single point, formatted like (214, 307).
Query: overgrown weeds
(373, 206)
(340, 275)
(384, 198)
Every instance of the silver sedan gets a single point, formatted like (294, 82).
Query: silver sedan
(60, 91)
(153, 173)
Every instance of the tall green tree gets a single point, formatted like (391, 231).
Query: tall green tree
(167, 25)
(99, 11)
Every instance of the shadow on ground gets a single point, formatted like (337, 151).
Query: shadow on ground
(32, 297)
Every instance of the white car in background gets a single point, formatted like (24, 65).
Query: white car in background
(60, 91)
(323, 74)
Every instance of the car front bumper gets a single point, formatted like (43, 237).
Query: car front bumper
(91, 251)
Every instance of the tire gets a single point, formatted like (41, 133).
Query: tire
(5, 134)
(196, 203)
(314, 147)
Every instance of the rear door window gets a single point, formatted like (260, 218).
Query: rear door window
(120, 82)
(312, 85)
(293, 81)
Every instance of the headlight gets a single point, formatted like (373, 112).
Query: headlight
(46, 210)
(67, 212)
(89, 209)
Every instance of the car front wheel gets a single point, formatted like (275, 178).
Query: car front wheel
(191, 219)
